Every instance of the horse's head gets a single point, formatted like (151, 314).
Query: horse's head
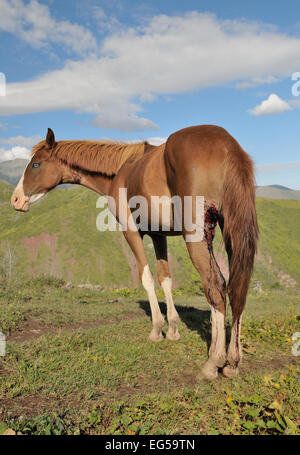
(40, 176)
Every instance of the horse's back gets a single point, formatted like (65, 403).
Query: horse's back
(199, 144)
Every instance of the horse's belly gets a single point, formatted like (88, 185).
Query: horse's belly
(157, 214)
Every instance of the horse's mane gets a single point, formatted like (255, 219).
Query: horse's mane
(105, 157)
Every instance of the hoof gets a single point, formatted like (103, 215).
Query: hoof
(174, 336)
(219, 360)
(230, 372)
(208, 372)
(155, 337)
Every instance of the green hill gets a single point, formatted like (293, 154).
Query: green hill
(58, 237)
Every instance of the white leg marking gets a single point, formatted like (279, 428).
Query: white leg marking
(172, 314)
(218, 338)
(234, 354)
(234, 348)
(217, 351)
(157, 318)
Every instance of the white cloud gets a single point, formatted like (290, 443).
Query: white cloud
(105, 22)
(21, 141)
(125, 122)
(255, 81)
(157, 140)
(33, 23)
(14, 153)
(20, 147)
(273, 105)
(167, 56)
(99, 13)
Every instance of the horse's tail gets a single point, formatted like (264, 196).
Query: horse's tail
(240, 229)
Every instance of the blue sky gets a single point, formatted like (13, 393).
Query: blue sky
(144, 69)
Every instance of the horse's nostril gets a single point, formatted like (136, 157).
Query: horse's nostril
(14, 200)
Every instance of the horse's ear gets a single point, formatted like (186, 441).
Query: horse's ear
(50, 138)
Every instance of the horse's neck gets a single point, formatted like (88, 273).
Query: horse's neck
(96, 182)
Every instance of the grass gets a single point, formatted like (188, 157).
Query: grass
(78, 361)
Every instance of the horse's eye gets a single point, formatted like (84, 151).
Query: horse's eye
(36, 165)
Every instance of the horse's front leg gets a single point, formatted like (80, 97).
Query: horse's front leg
(136, 244)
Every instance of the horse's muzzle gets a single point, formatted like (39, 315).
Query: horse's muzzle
(21, 204)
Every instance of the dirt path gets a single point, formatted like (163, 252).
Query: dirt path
(32, 328)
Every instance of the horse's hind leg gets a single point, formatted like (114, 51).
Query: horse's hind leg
(215, 291)
(136, 244)
(234, 354)
(164, 278)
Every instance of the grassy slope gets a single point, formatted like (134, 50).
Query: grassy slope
(280, 233)
(79, 361)
(74, 250)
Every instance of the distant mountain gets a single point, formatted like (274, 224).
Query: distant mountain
(280, 187)
(277, 192)
(11, 171)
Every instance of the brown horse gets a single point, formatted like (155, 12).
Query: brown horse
(197, 161)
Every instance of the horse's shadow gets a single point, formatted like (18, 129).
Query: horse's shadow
(195, 319)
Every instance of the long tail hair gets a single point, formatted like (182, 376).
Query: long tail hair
(240, 228)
